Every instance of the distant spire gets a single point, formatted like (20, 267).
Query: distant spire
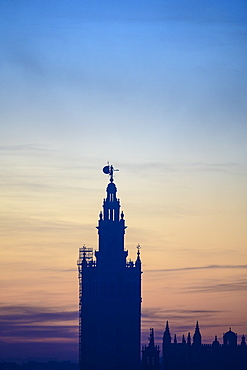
(138, 259)
(175, 339)
(197, 338)
(243, 342)
(167, 335)
(138, 251)
(183, 340)
(151, 338)
(189, 339)
(150, 354)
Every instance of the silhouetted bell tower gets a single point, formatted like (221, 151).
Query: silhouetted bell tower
(110, 294)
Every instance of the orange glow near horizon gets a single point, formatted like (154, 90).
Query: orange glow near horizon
(192, 269)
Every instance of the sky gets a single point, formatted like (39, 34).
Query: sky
(159, 89)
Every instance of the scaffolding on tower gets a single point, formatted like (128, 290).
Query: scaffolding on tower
(85, 259)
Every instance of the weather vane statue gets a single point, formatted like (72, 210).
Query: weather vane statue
(108, 170)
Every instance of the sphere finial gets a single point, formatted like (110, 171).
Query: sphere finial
(108, 170)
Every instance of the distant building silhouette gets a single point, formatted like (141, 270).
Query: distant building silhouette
(110, 294)
(194, 355)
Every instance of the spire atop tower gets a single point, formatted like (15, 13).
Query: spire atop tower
(150, 354)
(108, 170)
(138, 247)
(183, 339)
(189, 339)
(197, 338)
(167, 335)
(151, 338)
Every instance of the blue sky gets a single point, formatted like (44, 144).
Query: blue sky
(115, 68)
(159, 89)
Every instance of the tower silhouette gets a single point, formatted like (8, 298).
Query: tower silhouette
(150, 354)
(110, 294)
(197, 338)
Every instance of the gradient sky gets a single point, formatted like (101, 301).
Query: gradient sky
(158, 88)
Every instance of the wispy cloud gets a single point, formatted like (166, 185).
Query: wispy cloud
(207, 285)
(238, 285)
(37, 323)
(30, 315)
(207, 267)
(162, 315)
(38, 332)
(38, 224)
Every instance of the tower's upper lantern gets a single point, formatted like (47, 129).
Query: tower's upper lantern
(111, 192)
(111, 228)
(111, 205)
